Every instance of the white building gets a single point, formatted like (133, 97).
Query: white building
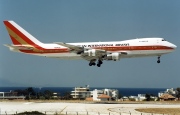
(140, 97)
(95, 95)
(55, 95)
(81, 92)
(10, 95)
(105, 95)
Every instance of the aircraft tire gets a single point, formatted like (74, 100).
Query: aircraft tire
(158, 61)
(100, 62)
(99, 65)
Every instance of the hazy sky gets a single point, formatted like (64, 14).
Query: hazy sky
(86, 21)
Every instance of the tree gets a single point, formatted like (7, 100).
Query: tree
(67, 95)
(120, 96)
(178, 93)
(148, 97)
(48, 94)
(21, 92)
(31, 90)
(31, 94)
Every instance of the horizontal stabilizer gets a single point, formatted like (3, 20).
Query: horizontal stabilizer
(19, 47)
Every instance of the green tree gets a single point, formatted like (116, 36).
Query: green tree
(31, 90)
(21, 92)
(148, 97)
(48, 94)
(31, 94)
(178, 93)
(67, 96)
(120, 96)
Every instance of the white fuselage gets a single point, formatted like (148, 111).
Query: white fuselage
(134, 48)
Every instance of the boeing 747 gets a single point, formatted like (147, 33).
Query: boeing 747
(94, 52)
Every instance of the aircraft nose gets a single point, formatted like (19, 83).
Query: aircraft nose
(173, 46)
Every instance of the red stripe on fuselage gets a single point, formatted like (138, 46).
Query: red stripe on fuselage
(116, 48)
(132, 48)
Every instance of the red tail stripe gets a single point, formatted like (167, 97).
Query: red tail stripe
(9, 25)
(14, 40)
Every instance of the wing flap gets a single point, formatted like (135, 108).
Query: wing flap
(124, 53)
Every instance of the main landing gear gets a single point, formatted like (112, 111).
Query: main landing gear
(99, 63)
(158, 61)
(92, 62)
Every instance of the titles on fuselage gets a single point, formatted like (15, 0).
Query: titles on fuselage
(104, 45)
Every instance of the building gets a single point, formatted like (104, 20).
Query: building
(167, 97)
(55, 95)
(170, 91)
(124, 98)
(105, 95)
(141, 97)
(81, 92)
(95, 95)
(10, 95)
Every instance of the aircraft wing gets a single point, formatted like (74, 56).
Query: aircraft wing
(85, 53)
(124, 53)
(19, 47)
(71, 47)
(88, 58)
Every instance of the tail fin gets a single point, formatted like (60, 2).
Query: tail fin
(19, 36)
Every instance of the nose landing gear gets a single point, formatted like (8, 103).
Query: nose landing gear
(158, 61)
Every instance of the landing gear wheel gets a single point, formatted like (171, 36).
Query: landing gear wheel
(100, 62)
(99, 65)
(90, 64)
(93, 64)
(158, 61)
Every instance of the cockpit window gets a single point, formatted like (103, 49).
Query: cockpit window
(163, 40)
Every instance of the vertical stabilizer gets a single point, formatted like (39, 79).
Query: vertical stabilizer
(19, 36)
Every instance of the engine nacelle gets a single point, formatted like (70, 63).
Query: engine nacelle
(113, 56)
(91, 52)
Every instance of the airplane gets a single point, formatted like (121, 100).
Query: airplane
(91, 51)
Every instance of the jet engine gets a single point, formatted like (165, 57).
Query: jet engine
(91, 52)
(113, 56)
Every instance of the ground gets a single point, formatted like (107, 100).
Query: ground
(90, 108)
(170, 111)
